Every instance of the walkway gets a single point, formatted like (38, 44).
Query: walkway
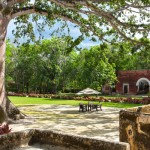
(67, 119)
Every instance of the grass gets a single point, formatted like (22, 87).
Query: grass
(33, 101)
(120, 105)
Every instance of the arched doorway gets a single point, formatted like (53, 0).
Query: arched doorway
(143, 86)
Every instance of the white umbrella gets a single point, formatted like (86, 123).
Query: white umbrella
(88, 91)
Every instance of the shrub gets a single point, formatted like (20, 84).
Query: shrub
(4, 128)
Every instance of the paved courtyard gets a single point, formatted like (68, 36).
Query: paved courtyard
(68, 120)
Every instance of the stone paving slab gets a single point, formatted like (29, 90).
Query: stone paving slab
(68, 120)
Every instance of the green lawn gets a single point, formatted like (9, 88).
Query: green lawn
(31, 100)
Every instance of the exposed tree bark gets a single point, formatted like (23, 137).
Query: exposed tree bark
(7, 109)
(3, 100)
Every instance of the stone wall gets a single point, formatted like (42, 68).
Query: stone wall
(15, 139)
(134, 127)
(53, 139)
(76, 142)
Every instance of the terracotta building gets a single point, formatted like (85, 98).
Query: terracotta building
(133, 82)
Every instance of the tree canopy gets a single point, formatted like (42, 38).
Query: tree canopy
(109, 20)
(54, 70)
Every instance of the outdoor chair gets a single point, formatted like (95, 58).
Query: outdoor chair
(99, 107)
(96, 107)
(82, 107)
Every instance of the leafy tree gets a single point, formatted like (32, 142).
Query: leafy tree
(103, 18)
(121, 55)
(11, 52)
(39, 66)
(95, 70)
(67, 75)
(126, 56)
(143, 58)
(53, 57)
(55, 70)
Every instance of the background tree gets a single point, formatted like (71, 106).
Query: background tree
(38, 67)
(104, 18)
(126, 56)
(10, 65)
(96, 70)
(68, 76)
(143, 58)
(53, 55)
(45, 67)
(121, 55)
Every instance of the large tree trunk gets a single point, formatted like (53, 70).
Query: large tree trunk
(7, 110)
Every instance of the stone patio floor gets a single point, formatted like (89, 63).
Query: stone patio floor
(68, 120)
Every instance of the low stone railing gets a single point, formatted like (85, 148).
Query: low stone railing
(48, 138)
(134, 127)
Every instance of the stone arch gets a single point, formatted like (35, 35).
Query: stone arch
(143, 85)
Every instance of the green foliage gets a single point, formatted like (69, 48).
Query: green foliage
(111, 21)
(48, 67)
(38, 67)
(95, 69)
(126, 57)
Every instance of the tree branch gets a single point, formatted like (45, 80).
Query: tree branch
(88, 8)
(32, 10)
(123, 35)
(134, 5)
(12, 2)
(101, 13)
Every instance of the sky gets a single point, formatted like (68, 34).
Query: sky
(74, 32)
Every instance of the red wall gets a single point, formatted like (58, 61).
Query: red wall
(130, 77)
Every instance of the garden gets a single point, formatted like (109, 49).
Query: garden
(62, 47)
